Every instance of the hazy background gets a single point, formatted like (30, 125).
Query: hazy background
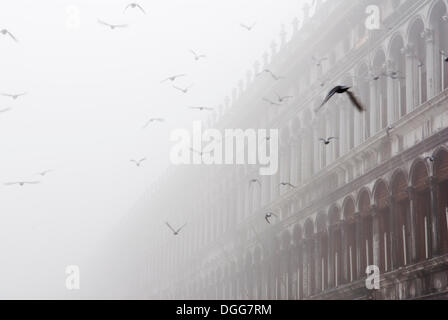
(90, 91)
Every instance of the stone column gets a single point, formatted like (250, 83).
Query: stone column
(412, 219)
(359, 243)
(318, 263)
(430, 62)
(392, 235)
(376, 235)
(331, 260)
(435, 231)
(374, 105)
(345, 264)
(410, 68)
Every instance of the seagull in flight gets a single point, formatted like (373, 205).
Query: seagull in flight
(287, 184)
(327, 141)
(202, 108)
(44, 173)
(173, 78)
(318, 61)
(430, 158)
(153, 120)
(112, 26)
(138, 163)
(272, 103)
(21, 183)
(134, 6)
(340, 90)
(184, 90)
(175, 232)
(252, 181)
(281, 99)
(197, 56)
(248, 28)
(273, 75)
(6, 32)
(14, 96)
(268, 216)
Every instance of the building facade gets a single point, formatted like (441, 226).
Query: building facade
(378, 195)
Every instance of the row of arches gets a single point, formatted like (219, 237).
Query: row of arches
(400, 221)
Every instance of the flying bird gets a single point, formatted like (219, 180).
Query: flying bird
(272, 103)
(153, 120)
(175, 232)
(197, 56)
(202, 108)
(112, 26)
(268, 216)
(318, 61)
(21, 183)
(283, 98)
(340, 90)
(173, 78)
(273, 75)
(44, 173)
(134, 6)
(138, 163)
(287, 184)
(444, 55)
(13, 96)
(6, 32)
(327, 141)
(184, 90)
(248, 28)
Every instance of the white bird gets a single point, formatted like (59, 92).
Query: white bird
(5, 32)
(273, 75)
(287, 184)
(202, 108)
(21, 183)
(327, 141)
(248, 28)
(268, 216)
(173, 78)
(283, 98)
(153, 120)
(198, 56)
(272, 103)
(138, 162)
(175, 232)
(184, 90)
(133, 6)
(14, 96)
(44, 173)
(112, 26)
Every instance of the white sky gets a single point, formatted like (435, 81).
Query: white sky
(90, 90)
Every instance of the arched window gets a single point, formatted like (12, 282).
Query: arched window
(363, 86)
(381, 196)
(380, 91)
(440, 52)
(335, 254)
(422, 210)
(441, 174)
(365, 249)
(350, 232)
(397, 73)
(309, 265)
(417, 45)
(402, 219)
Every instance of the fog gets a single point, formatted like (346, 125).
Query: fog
(90, 90)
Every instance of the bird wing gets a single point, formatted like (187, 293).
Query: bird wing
(328, 97)
(31, 182)
(181, 228)
(267, 219)
(4, 110)
(127, 7)
(140, 7)
(141, 160)
(12, 36)
(10, 183)
(169, 226)
(355, 101)
(104, 23)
